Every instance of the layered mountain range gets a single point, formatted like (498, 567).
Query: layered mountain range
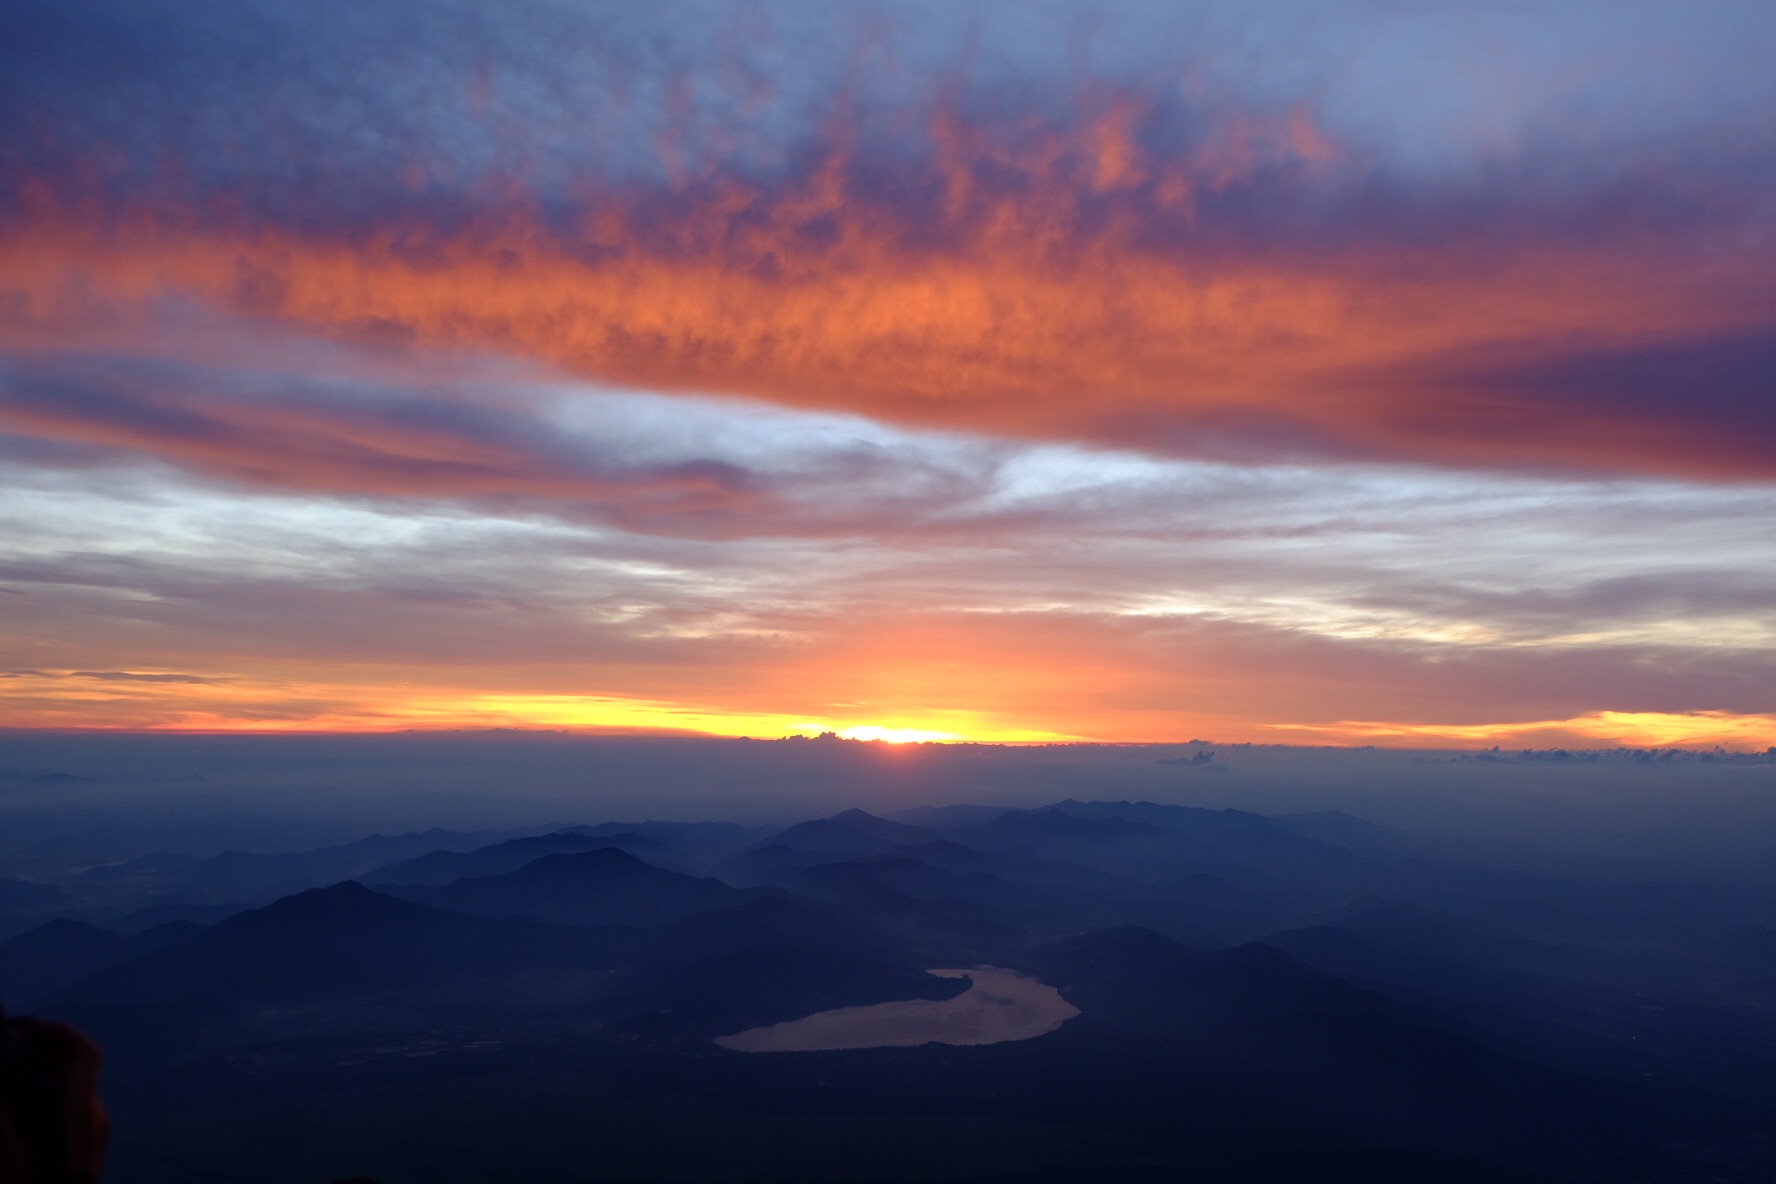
(1260, 997)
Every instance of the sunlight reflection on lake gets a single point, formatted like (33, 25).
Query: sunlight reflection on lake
(1000, 1005)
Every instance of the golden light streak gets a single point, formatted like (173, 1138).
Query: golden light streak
(50, 700)
(1632, 729)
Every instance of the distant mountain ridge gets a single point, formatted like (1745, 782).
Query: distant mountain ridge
(602, 886)
(441, 867)
(850, 832)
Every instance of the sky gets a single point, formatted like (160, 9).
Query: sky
(1357, 373)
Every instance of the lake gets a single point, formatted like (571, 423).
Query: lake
(999, 1005)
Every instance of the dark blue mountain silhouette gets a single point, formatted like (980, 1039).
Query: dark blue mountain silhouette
(442, 867)
(599, 887)
(852, 832)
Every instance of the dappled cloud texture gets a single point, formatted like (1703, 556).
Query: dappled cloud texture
(1052, 222)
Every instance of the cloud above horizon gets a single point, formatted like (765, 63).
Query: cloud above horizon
(1177, 228)
(1015, 370)
(944, 583)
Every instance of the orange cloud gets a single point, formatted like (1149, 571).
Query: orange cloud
(1080, 302)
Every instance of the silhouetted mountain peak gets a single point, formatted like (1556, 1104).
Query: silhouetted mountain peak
(603, 886)
(344, 891)
(850, 832)
(443, 867)
(341, 904)
(599, 868)
(63, 929)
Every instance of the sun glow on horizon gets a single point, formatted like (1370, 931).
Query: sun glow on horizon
(898, 708)
(163, 701)
(897, 735)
